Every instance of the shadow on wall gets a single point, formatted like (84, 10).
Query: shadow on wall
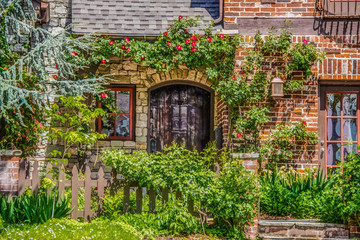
(212, 6)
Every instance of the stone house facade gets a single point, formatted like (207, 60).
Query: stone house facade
(317, 21)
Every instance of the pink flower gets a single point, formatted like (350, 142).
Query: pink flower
(178, 47)
(194, 38)
(305, 41)
(102, 95)
(185, 31)
(169, 44)
(238, 135)
(74, 54)
(165, 34)
(304, 122)
(187, 41)
(193, 50)
(126, 39)
(180, 17)
(242, 72)
(103, 61)
(170, 25)
(193, 43)
(209, 39)
(96, 188)
(55, 66)
(233, 77)
(142, 57)
(222, 36)
(111, 43)
(123, 47)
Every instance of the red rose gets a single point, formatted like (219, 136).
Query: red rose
(238, 135)
(233, 77)
(209, 39)
(56, 66)
(242, 72)
(123, 47)
(193, 43)
(102, 95)
(180, 17)
(185, 31)
(277, 146)
(305, 41)
(194, 38)
(74, 54)
(103, 61)
(111, 42)
(178, 47)
(126, 39)
(96, 188)
(222, 36)
(142, 57)
(193, 50)
(304, 122)
(55, 77)
(187, 41)
(165, 34)
(170, 25)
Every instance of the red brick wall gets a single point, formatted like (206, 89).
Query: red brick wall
(9, 174)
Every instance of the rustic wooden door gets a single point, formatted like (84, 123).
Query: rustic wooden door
(181, 114)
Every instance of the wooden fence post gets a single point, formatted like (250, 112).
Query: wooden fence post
(35, 181)
(74, 192)
(126, 199)
(101, 182)
(152, 200)
(139, 200)
(22, 176)
(87, 194)
(48, 175)
(165, 194)
(61, 181)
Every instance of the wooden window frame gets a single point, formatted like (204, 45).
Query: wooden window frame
(341, 117)
(132, 114)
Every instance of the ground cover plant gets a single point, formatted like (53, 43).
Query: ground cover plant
(231, 197)
(72, 229)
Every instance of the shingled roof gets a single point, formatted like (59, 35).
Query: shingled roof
(137, 17)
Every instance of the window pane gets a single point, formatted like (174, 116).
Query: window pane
(349, 130)
(349, 104)
(347, 149)
(123, 125)
(333, 153)
(333, 129)
(123, 101)
(333, 104)
(107, 125)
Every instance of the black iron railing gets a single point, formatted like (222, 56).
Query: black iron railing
(338, 8)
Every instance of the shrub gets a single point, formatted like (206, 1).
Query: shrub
(114, 204)
(287, 193)
(171, 218)
(233, 199)
(341, 202)
(71, 229)
(31, 208)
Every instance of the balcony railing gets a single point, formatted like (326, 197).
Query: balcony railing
(339, 8)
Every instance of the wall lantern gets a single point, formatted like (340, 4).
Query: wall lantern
(42, 9)
(277, 87)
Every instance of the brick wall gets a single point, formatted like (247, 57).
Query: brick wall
(9, 172)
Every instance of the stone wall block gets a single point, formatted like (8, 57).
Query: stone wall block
(129, 144)
(191, 75)
(184, 74)
(141, 139)
(121, 79)
(168, 76)
(115, 59)
(130, 65)
(198, 76)
(156, 77)
(173, 74)
(135, 79)
(150, 71)
(138, 132)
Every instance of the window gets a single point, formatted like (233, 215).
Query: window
(120, 126)
(341, 126)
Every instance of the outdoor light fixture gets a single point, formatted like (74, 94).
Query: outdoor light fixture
(277, 87)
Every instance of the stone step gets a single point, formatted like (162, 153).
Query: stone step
(302, 229)
(264, 237)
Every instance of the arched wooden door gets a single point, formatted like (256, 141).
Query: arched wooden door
(181, 114)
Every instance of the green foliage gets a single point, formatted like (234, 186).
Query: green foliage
(341, 202)
(233, 199)
(31, 208)
(287, 193)
(113, 204)
(71, 229)
(171, 219)
(281, 144)
(176, 47)
(230, 197)
(72, 123)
